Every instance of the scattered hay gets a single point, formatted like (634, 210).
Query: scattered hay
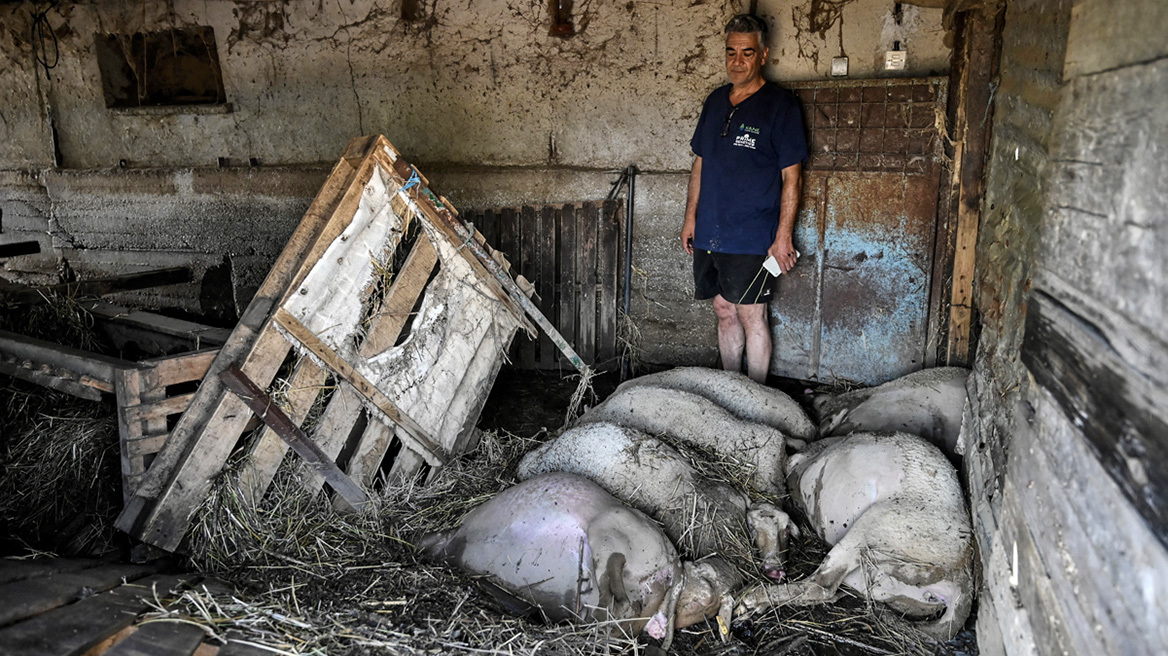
(61, 489)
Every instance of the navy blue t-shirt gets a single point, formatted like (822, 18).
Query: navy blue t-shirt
(742, 180)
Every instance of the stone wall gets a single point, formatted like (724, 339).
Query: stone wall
(491, 106)
(1065, 461)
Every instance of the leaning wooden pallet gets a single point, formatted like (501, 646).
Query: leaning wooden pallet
(384, 309)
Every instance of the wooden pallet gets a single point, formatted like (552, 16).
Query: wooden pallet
(399, 363)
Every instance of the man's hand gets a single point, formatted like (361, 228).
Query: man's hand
(691, 205)
(784, 252)
(687, 233)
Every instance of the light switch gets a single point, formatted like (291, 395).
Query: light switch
(839, 66)
(894, 60)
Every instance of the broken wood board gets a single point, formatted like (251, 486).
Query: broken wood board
(74, 371)
(21, 295)
(383, 309)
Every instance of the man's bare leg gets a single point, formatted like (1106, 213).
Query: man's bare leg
(731, 335)
(753, 320)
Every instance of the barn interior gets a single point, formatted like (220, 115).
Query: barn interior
(981, 192)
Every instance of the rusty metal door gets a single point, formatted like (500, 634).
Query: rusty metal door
(856, 307)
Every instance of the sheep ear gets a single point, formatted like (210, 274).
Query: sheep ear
(612, 585)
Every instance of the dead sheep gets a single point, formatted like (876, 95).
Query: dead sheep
(891, 506)
(697, 421)
(559, 546)
(739, 395)
(703, 516)
(928, 403)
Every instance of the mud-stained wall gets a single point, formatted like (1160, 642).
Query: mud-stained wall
(479, 94)
(806, 35)
(1066, 459)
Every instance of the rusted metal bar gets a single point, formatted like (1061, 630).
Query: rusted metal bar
(274, 417)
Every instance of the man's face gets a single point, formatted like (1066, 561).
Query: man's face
(744, 57)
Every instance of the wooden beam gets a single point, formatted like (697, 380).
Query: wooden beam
(981, 37)
(412, 432)
(274, 417)
(90, 369)
(97, 286)
(199, 334)
(20, 248)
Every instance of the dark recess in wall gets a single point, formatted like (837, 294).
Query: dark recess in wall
(172, 67)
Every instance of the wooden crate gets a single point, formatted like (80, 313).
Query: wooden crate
(396, 340)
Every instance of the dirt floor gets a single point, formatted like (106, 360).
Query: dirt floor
(300, 577)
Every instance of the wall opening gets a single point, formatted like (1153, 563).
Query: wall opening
(560, 13)
(171, 67)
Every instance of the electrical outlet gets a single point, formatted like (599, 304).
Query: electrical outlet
(839, 66)
(894, 60)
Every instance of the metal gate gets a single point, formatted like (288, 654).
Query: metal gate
(857, 305)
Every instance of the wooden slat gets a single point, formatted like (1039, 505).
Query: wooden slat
(158, 410)
(277, 420)
(586, 235)
(529, 266)
(97, 286)
(183, 368)
(160, 638)
(180, 475)
(488, 224)
(508, 231)
(413, 432)
(401, 298)
(128, 388)
(145, 445)
(200, 334)
(569, 276)
(74, 628)
(547, 282)
(26, 598)
(606, 274)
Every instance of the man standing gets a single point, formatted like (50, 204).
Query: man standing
(743, 195)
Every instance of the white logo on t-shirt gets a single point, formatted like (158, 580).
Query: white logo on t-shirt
(745, 141)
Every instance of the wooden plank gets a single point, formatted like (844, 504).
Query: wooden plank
(83, 363)
(160, 638)
(413, 432)
(529, 266)
(607, 280)
(1122, 415)
(97, 286)
(29, 597)
(586, 237)
(547, 282)
(569, 281)
(20, 248)
(277, 420)
(160, 510)
(508, 236)
(238, 647)
(983, 44)
(200, 334)
(183, 368)
(305, 384)
(146, 445)
(155, 411)
(488, 224)
(371, 449)
(74, 628)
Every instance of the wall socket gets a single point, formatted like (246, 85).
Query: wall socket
(894, 60)
(839, 66)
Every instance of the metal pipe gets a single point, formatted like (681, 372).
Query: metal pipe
(630, 203)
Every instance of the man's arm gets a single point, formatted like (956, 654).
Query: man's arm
(783, 249)
(691, 206)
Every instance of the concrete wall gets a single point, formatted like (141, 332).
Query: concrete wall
(491, 107)
(1069, 380)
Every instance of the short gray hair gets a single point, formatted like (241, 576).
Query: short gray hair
(748, 24)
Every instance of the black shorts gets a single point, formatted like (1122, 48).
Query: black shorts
(740, 279)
